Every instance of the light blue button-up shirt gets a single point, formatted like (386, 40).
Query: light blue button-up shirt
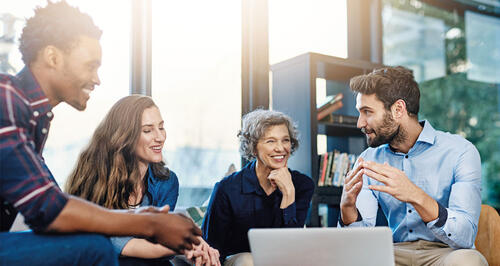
(448, 168)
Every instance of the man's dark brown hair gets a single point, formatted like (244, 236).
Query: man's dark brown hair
(390, 84)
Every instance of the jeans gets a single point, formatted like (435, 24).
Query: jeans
(28, 248)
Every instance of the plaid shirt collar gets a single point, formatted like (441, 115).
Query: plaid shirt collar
(33, 92)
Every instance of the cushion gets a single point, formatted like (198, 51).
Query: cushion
(197, 214)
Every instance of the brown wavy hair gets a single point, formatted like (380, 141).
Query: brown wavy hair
(389, 85)
(107, 171)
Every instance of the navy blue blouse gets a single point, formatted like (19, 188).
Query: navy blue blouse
(239, 203)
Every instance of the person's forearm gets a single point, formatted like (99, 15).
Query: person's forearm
(288, 198)
(141, 248)
(348, 215)
(426, 206)
(171, 230)
(82, 216)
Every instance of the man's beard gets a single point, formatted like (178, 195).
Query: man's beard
(388, 132)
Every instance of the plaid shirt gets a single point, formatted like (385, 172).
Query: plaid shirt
(26, 184)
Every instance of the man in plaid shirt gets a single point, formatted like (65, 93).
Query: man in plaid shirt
(61, 51)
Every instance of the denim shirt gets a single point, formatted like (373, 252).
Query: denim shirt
(160, 193)
(448, 168)
(238, 203)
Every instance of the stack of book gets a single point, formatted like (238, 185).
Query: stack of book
(331, 104)
(334, 167)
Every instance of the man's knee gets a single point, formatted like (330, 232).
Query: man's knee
(464, 257)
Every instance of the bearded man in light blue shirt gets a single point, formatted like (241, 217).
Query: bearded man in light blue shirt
(427, 182)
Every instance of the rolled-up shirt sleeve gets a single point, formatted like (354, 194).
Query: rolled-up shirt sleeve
(457, 224)
(25, 181)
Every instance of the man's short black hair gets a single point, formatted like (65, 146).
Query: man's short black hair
(390, 84)
(57, 24)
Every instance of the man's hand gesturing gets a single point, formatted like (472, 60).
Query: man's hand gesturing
(352, 186)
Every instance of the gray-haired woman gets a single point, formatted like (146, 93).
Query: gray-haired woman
(264, 194)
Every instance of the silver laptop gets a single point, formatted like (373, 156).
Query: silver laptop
(322, 246)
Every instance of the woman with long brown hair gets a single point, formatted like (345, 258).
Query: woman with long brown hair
(123, 168)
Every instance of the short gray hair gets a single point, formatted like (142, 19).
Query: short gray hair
(255, 125)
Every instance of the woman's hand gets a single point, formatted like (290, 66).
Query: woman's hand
(203, 254)
(282, 179)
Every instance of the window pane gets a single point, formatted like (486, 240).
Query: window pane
(414, 41)
(457, 69)
(297, 27)
(70, 129)
(196, 82)
(12, 21)
(483, 47)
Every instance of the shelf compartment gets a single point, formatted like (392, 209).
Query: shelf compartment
(328, 195)
(339, 130)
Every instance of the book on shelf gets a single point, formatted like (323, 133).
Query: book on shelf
(341, 119)
(352, 162)
(323, 158)
(328, 167)
(334, 167)
(331, 104)
(340, 171)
